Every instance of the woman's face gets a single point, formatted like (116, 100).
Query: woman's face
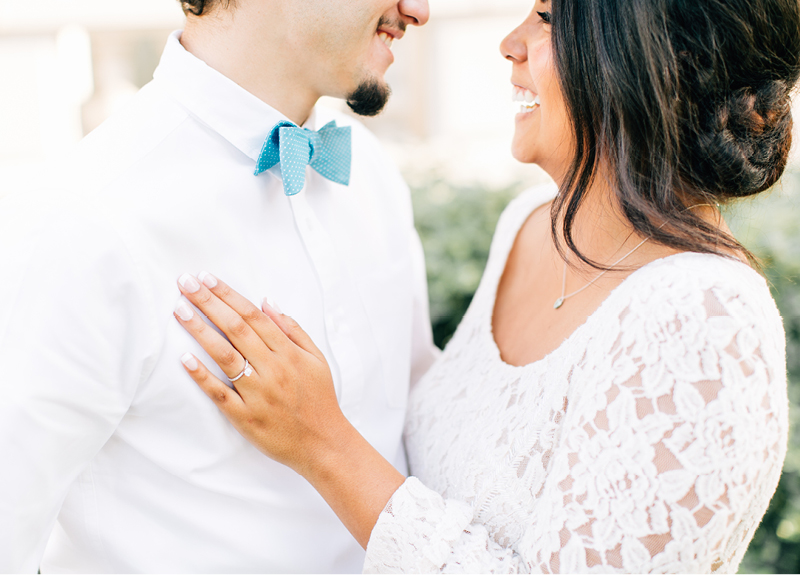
(542, 134)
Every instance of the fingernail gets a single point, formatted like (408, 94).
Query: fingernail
(189, 361)
(188, 283)
(208, 280)
(183, 311)
(270, 303)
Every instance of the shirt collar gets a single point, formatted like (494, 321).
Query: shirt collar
(234, 113)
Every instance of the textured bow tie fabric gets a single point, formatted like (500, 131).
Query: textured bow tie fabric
(328, 151)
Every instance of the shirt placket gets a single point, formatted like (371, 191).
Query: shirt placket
(346, 364)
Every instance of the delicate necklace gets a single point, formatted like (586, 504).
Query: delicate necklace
(560, 301)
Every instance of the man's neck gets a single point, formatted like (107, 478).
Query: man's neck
(247, 58)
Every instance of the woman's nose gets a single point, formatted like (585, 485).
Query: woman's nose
(513, 46)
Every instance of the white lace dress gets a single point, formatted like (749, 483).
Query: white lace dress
(651, 440)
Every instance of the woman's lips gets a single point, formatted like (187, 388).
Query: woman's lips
(527, 99)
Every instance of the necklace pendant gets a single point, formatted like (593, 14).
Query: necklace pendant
(559, 303)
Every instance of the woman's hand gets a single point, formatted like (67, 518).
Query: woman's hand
(284, 402)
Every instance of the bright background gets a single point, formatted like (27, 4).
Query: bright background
(65, 65)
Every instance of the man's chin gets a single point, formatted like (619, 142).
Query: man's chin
(370, 98)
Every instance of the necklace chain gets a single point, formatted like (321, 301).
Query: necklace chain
(560, 301)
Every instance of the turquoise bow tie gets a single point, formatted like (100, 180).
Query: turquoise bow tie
(328, 151)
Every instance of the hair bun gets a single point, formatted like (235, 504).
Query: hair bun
(745, 147)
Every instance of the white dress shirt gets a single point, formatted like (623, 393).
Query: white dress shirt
(113, 459)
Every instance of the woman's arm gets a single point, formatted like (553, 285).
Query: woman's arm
(666, 460)
(287, 405)
(287, 408)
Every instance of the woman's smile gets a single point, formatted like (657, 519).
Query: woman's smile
(527, 100)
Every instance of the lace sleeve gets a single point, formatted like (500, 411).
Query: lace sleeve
(668, 453)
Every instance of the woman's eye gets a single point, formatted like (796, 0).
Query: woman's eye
(545, 16)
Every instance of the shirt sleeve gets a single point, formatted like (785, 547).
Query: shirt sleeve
(669, 453)
(73, 345)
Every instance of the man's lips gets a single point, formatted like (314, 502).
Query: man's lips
(389, 33)
(386, 38)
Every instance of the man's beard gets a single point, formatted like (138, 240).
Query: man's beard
(369, 98)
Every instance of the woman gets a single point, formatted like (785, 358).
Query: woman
(615, 397)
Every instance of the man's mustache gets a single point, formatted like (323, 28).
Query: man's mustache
(398, 24)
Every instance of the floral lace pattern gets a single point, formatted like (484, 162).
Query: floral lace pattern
(651, 440)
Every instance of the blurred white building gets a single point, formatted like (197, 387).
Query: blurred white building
(67, 64)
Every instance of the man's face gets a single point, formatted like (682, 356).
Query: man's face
(343, 47)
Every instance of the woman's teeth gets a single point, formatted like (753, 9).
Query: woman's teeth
(386, 38)
(529, 100)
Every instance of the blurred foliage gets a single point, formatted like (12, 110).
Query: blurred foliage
(770, 227)
(456, 224)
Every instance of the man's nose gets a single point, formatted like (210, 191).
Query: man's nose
(415, 12)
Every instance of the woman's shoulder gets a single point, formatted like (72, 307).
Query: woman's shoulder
(516, 213)
(678, 276)
(686, 290)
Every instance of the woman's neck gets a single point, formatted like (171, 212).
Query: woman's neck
(603, 234)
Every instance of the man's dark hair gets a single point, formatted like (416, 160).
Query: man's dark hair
(686, 102)
(198, 7)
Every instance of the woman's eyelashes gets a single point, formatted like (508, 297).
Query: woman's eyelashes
(545, 16)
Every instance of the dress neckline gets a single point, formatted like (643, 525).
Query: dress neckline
(536, 201)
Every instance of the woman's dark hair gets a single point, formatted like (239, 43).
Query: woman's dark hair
(686, 102)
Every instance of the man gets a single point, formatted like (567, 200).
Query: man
(113, 459)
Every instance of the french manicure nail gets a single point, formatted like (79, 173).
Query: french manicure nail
(208, 280)
(269, 302)
(189, 361)
(183, 311)
(188, 283)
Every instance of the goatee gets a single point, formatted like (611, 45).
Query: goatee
(369, 98)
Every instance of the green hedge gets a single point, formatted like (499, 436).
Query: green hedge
(768, 226)
(456, 225)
